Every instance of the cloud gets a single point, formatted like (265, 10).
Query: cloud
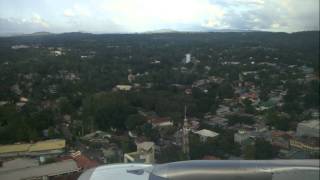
(14, 25)
(68, 13)
(37, 19)
(272, 15)
(77, 10)
(142, 14)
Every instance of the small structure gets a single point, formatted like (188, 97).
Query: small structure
(98, 137)
(131, 77)
(83, 162)
(161, 122)
(20, 46)
(123, 87)
(241, 137)
(205, 134)
(223, 110)
(144, 154)
(217, 121)
(187, 59)
(309, 128)
(42, 172)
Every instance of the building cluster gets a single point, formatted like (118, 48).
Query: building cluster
(54, 158)
(47, 159)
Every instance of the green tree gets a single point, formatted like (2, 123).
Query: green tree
(134, 121)
(249, 152)
(264, 150)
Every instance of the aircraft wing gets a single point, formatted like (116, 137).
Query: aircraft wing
(209, 170)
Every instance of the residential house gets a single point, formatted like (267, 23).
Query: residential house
(205, 134)
(144, 154)
(123, 87)
(309, 128)
(161, 121)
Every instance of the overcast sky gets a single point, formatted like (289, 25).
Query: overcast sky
(105, 16)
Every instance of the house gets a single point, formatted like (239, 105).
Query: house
(160, 121)
(123, 87)
(309, 128)
(131, 78)
(155, 62)
(188, 91)
(214, 79)
(144, 154)
(21, 46)
(24, 99)
(99, 137)
(83, 162)
(217, 121)
(223, 110)
(205, 134)
(241, 137)
(56, 53)
(200, 82)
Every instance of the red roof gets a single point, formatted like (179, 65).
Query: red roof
(210, 158)
(160, 120)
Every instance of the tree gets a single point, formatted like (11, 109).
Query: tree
(264, 150)
(278, 121)
(249, 152)
(108, 110)
(134, 121)
(127, 145)
(248, 108)
(225, 90)
(150, 132)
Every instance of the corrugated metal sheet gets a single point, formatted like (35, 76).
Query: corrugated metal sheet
(52, 169)
(14, 148)
(39, 146)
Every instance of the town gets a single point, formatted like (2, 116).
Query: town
(73, 101)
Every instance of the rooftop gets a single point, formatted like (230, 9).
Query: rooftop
(52, 169)
(311, 123)
(38, 146)
(146, 145)
(207, 133)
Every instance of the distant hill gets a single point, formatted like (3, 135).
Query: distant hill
(42, 33)
(161, 31)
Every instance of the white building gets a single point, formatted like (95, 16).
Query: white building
(188, 58)
(205, 134)
(309, 128)
(124, 87)
(241, 136)
(144, 154)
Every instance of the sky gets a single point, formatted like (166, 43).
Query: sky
(119, 16)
